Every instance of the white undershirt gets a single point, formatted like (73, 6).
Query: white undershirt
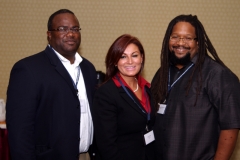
(86, 124)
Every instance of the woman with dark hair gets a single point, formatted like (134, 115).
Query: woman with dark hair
(123, 110)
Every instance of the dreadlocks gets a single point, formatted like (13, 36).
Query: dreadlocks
(160, 90)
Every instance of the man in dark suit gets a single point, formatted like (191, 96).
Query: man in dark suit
(50, 95)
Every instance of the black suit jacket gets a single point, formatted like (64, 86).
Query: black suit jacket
(43, 110)
(119, 124)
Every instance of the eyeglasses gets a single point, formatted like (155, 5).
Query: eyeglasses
(184, 39)
(65, 30)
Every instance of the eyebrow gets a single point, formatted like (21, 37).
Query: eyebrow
(67, 26)
(133, 52)
(182, 35)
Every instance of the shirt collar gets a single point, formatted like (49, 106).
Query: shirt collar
(194, 59)
(78, 58)
(141, 81)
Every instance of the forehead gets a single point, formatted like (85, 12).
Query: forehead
(131, 48)
(183, 28)
(65, 19)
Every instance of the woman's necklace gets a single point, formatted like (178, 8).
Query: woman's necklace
(137, 86)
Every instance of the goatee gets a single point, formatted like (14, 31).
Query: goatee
(179, 61)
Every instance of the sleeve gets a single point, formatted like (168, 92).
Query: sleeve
(105, 124)
(21, 108)
(224, 94)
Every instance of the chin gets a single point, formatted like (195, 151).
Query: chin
(129, 74)
(180, 55)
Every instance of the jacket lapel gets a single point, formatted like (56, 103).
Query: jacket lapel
(151, 101)
(137, 106)
(54, 60)
(87, 81)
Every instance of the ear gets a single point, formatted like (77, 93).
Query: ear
(49, 35)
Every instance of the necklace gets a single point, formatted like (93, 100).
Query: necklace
(137, 87)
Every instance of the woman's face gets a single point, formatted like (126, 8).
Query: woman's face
(129, 65)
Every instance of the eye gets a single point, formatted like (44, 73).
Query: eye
(123, 57)
(135, 55)
(75, 29)
(61, 28)
(174, 37)
(188, 38)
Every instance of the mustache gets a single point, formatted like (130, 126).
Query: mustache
(178, 47)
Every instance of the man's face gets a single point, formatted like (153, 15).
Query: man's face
(65, 43)
(186, 44)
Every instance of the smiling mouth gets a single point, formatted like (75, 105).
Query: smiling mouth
(70, 42)
(130, 67)
(181, 49)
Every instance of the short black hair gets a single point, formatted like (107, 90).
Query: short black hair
(49, 25)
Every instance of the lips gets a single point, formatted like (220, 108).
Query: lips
(181, 49)
(70, 42)
(129, 67)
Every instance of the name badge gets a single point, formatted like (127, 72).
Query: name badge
(149, 137)
(162, 108)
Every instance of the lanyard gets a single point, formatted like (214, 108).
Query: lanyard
(77, 80)
(170, 86)
(148, 114)
(78, 75)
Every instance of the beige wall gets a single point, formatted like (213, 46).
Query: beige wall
(24, 24)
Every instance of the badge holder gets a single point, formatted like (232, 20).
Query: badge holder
(148, 136)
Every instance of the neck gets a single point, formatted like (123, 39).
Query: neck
(137, 86)
(69, 56)
(131, 82)
(179, 66)
(72, 60)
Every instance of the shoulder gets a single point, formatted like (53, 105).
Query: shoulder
(156, 76)
(107, 94)
(31, 61)
(217, 71)
(107, 89)
(87, 63)
(107, 86)
(88, 70)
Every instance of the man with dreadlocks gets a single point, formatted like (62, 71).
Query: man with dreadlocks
(196, 95)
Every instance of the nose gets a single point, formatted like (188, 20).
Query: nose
(181, 41)
(69, 32)
(130, 60)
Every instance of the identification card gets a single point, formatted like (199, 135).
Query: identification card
(149, 137)
(162, 108)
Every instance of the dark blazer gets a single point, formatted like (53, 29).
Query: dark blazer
(43, 110)
(119, 124)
